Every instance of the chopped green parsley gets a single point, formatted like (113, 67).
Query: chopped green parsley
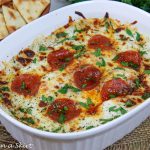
(146, 71)
(61, 118)
(138, 36)
(78, 47)
(23, 85)
(48, 99)
(104, 121)
(61, 34)
(129, 103)
(102, 63)
(34, 60)
(42, 48)
(146, 96)
(129, 32)
(87, 104)
(5, 88)
(65, 89)
(97, 53)
(119, 109)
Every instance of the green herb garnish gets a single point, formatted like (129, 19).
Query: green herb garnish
(77, 30)
(146, 96)
(74, 89)
(40, 128)
(121, 76)
(123, 63)
(62, 67)
(48, 99)
(129, 32)
(26, 110)
(80, 50)
(119, 68)
(89, 127)
(104, 121)
(119, 109)
(1, 96)
(23, 85)
(66, 39)
(61, 34)
(138, 36)
(122, 110)
(107, 26)
(5, 88)
(87, 104)
(34, 60)
(42, 48)
(84, 85)
(65, 89)
(112, 108)
(79, 54)
(62, 41)
(115, 58)
(143, 53)
(22, 110)
(65, 108)
(112, 96)
(102, 63)
(137, 83)
(78, 47)
(89, 101)
(146, 71)
(129, 64)
(132, 65)
(97, 53)
(61, 118)
(129, 103)
(28, 120)
(29, 110)
(56, 130)
(84, 105)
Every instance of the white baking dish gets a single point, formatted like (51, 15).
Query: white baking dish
(94, 139)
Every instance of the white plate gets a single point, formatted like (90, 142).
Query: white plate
(55, 4)
(94, 139)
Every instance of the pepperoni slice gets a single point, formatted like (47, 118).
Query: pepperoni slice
(87, 77)
(100, 41)
(60, 59)
(26, 84)
(114, 87)
(132, 58)
(42, 104)
(62, 110)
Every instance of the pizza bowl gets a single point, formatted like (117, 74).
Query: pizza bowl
(96, 138)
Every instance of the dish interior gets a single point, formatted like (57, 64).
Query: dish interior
(119, 79)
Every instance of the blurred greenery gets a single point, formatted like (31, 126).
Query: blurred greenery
(75, 1)
(143, 4)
